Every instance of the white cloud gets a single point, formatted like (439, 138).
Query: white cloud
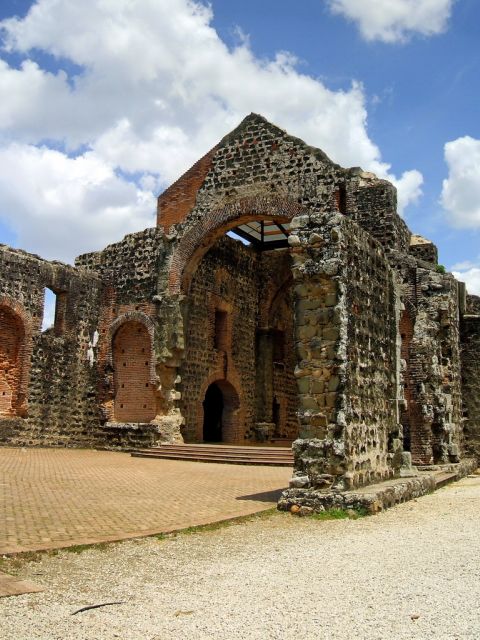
(471, 277)
(461, 190)
(156, 89)
(468, 271)
(65, 206)
(409, 188)
(395, 20)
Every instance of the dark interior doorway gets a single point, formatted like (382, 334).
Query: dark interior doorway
(212, 414)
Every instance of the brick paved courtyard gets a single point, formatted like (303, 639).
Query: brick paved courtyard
(52, 498)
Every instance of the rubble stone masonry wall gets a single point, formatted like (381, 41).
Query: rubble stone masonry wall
(51, 370)
(346, 353)
(470, 353)
(435, 370)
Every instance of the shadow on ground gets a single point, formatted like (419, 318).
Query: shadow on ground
(265, 496)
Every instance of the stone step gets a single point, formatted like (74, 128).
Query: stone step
(225, 454)
(444, 478)
(215, 454)
(225, 449)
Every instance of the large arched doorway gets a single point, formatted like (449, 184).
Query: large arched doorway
(226, 268)
(220, 413)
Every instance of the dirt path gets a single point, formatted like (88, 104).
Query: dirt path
(410, 573)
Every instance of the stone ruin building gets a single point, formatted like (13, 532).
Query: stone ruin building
(279, 298)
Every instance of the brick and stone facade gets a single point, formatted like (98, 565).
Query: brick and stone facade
(348, 340)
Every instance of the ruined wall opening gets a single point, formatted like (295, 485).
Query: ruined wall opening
(134, 393)
(236, 290)
(12, 336)
(54, 311)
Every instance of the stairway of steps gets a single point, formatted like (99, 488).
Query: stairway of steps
(220, 453)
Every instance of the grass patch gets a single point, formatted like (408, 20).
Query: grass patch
(222, 524)
(331, 514)
(80, 548)
(341, 514)
(13, 563)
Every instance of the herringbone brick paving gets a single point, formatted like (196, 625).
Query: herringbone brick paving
(50, 498)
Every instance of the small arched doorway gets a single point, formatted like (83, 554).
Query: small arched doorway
(221, 407)
(212, 414)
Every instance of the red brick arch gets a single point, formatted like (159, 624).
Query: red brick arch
(15, 355)
(199, 238)
(133, 316)
(134, 393)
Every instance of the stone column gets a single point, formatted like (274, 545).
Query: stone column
(346, 347)
(169, 348)
(320, 333)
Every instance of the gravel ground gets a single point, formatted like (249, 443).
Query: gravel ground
(412, 572)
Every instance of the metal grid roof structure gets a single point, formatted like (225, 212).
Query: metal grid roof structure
(264, 235)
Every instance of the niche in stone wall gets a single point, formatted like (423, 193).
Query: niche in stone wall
(408, 414)
(341, 198)
(12, 335)
(134, 393)
(278, 339)
(221, 333)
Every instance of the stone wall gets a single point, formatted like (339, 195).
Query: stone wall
(423, 249)
(53, 370)
(131, 271)
(372, 204)
(435, 370)
(346, 348)
(130, 267)
(470, 354)
(259, 162)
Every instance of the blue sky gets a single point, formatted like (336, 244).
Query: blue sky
(105, 103)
